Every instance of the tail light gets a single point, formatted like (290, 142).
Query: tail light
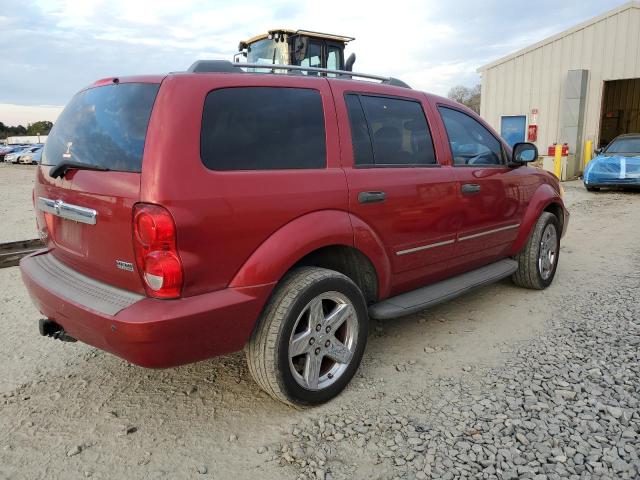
(154, 239)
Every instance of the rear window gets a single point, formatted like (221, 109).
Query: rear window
(263, 128)
(103, 126)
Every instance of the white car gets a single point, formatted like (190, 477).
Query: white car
(31, 157)
(12, 157)
(15, 156)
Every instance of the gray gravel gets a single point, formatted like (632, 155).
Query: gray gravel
(565, 405)
(425, 387)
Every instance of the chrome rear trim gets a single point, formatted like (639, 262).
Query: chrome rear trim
(67, 210)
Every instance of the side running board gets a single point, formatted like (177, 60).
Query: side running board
(425, 297)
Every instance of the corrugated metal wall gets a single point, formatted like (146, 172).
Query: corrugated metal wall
(608, 47)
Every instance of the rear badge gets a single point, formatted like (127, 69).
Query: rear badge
(128, 266)
(67, 154)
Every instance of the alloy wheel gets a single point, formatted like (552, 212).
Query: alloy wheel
(323, 341)
(548, 251)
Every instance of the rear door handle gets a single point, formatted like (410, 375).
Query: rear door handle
(468, 188)
(371, 197)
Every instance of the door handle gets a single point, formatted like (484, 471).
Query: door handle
(371, 197)
(469, 188)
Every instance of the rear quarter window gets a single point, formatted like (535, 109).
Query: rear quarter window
(263, 128)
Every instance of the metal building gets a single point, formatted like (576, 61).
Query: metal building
(581, 84)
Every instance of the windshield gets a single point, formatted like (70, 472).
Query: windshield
(267, 51)
(625, 145)
(103, 126)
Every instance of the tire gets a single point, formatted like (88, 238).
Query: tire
(592, 189)
(536, 268)
(272, 353)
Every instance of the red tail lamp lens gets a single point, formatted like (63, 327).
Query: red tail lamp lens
(145, 228)
(154, 227)
(163, 272)
(156, 253)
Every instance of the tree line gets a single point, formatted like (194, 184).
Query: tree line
(469, 97)
(37, 128)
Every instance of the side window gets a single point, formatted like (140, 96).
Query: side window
(263, 128)
(362, 149)
(333, 59)
(471, 143)
(312, 57)
(396, 131)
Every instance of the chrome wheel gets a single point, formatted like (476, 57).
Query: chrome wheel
(548, 251)
(323, 341)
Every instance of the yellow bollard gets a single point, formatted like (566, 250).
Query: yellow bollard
(557, 161)
(588, 150)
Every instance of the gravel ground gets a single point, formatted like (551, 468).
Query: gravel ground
(16, 208)
(502, 383)
(562, 406)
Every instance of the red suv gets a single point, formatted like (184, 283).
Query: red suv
(199, 213)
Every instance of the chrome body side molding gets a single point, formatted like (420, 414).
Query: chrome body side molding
(488, 232)
(460, 239)
(424, 247)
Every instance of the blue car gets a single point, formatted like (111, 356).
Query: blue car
(617, 165)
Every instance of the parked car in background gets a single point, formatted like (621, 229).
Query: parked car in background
(31, 158)
(10, 150)
(616, 165)
(15, 157)
(280, 215)
(12, 157)
(4, 150)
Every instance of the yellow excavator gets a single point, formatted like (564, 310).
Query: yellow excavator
(297, 47)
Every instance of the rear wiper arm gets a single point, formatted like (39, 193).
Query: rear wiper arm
(61, 169)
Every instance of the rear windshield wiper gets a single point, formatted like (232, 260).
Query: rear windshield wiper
(61, 169)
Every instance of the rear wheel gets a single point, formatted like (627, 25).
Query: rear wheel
(311, 337)
(538, 261)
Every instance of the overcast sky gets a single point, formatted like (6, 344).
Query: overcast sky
(52, 48)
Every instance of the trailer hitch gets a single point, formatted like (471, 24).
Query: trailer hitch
(49, 328)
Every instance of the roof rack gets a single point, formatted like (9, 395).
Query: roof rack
(225, 66)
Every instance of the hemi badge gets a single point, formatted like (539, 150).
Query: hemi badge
(128, 266)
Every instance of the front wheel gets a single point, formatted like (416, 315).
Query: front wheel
(538, 261)
(310, 339)
(592, 189)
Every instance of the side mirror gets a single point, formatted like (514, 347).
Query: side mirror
(598, 151)
(524, 153)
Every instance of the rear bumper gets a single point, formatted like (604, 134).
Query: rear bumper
(147, 332)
